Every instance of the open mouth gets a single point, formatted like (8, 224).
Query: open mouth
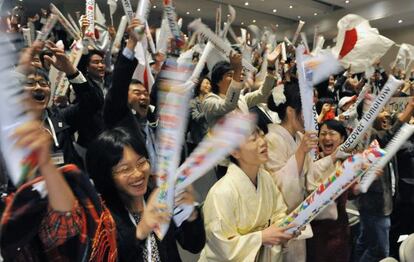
(39, 95)
(139, 184)
(263, 151)
(328, 146)
(143, 105)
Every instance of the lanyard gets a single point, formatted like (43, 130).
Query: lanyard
(148, 241)
(52, 131)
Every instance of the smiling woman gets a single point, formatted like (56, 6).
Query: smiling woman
(117, 163)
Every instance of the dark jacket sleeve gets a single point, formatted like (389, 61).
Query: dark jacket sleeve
(191, 235)
(90, 101)
(116, 101)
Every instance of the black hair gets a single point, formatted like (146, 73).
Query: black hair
(321, 102)
(292, 94)
(85, 59)
(40, 72)
(198, 86)
(218, 71)
(135, 82)
(103, 154)
(335, 125)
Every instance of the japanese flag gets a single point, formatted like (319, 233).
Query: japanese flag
(358, 44)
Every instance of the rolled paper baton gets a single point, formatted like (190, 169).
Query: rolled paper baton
(368, 118)
(296, 36)
(64, 22)
(90, 15)
(405, 132)
(47, 28)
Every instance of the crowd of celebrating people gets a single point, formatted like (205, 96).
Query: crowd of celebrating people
(96, 193)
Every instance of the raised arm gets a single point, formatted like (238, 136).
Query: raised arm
(116, 101)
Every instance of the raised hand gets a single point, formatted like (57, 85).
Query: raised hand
(60, 60)
(152, 217)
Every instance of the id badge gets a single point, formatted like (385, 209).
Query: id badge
(58, 158)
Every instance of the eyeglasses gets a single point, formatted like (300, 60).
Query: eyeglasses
(330, 133)
(128, 170)
(32, 82)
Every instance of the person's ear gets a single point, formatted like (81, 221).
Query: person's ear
(236, 154)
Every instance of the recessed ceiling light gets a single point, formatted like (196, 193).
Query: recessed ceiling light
(154, 6)
(299, 17)
(246, 3)
(347, 2)
(254, 21)
(242, 23)
(274, 10)
(277, 25)
(198, 9)
(400, 21)
(291, 6)
(315, 14)
(187, 13)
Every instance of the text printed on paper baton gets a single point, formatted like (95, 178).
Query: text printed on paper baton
(90, 15)
(126, 4)
(332, 187)
(368, 118)
(219, 43)
(172, 22)
(405, 132)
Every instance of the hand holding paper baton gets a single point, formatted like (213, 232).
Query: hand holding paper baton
(152, 217)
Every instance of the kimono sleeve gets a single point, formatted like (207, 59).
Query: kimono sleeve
(223, 239)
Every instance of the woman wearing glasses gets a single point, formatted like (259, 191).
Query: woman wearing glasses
(119, 167)
(59, 217)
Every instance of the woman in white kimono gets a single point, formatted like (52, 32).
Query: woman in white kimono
(289, 160)
(242, 210)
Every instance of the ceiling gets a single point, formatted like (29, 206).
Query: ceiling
(283, 14)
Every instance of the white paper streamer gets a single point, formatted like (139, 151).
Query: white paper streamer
(61, 82)
(126, 4)
(143, 10)
(315, 37)
(296, 35)
(331, 188)
(174, 99)
(306, 95)
(201, 62)
(27, 36)
(368, 118)
(218, 20)
(172, 22)
(230, 20)
(73, 23)
(64, 22)
(12, 115)
(90, 15)
(219, 44)
(305, 41)
(162, 37)
(47, 28)
(119, 34)
(405, 132)
(226, 135)
(112, 9)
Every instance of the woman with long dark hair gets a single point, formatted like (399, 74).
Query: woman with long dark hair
(117, 163)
